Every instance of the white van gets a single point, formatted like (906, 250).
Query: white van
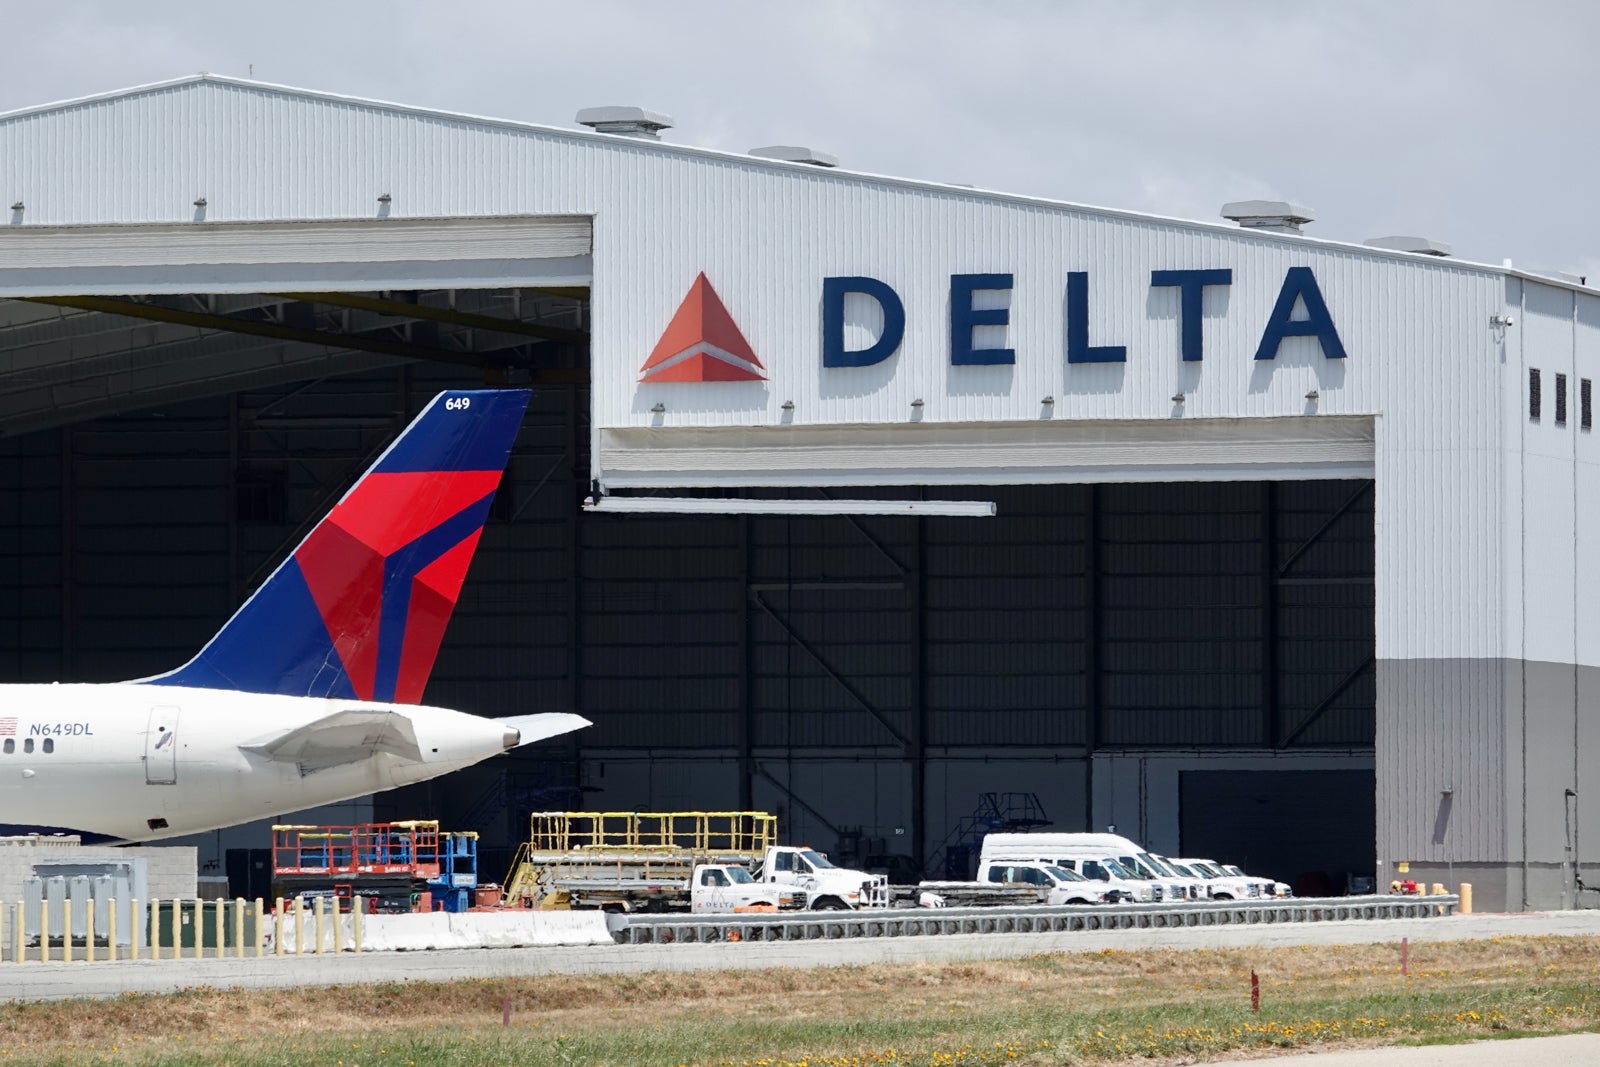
(1058, 847)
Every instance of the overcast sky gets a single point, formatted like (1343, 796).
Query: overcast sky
(1468, 121)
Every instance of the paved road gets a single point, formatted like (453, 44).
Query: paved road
(1569, 1050)
(55, 981)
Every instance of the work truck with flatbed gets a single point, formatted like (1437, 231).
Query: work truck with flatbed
(679, 861)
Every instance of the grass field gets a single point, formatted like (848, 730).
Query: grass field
(1149, 1007)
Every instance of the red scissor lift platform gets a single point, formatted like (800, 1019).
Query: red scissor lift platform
(388, 864)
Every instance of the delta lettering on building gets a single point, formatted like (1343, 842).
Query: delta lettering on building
(703, 343)
(1299, 290)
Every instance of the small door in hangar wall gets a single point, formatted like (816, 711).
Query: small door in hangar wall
(1311, 829)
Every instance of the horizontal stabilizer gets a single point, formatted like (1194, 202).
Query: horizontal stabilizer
(538, 727)
(343, 737)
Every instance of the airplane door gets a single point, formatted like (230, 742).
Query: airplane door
(161, 747)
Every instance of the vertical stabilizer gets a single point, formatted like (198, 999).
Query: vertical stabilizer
(359, 609)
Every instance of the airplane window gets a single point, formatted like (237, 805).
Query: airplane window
(27, 745)
(11, 745)
(49, 744)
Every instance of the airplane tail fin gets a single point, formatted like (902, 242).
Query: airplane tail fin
(360, 607)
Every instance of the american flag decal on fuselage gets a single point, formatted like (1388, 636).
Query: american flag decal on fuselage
(8, 726)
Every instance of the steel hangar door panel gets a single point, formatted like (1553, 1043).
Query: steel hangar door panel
(1311, 829)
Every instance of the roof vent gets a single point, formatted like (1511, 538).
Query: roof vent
(794, 153)
(1278, 216)
(626, 121)
(1421, 245)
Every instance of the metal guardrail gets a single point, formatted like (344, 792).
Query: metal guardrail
(922, 922)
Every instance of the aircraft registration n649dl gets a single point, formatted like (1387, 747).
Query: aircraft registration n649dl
(309, 694)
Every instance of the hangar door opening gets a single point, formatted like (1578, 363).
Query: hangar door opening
(896, 686)
(1310, 829)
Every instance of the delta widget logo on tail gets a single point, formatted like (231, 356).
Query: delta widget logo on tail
(702, 343)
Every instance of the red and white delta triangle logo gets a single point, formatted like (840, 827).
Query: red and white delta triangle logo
(702, 344)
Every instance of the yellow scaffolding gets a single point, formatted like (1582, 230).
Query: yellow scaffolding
(738, 833)
(639, 844)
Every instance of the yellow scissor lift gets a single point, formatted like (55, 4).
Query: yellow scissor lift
(630, 859)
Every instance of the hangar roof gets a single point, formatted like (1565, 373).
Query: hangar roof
(176, 98)
(219, 150)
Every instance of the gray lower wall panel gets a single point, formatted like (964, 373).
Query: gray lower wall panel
(1439, 729)
(1484, 776)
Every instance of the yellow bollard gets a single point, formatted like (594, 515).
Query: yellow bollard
(88, 931)
(44, 931)
(1438, 889)
(66, 929)
(177, 929)
(1465, 907)
(133, 935)
(355, 921)
(317, 910)
(238, 926)
(111, 931)
(299, 926)
(152, 928)
(222, 927)
(277, 928)
(199, 928)
(261, 915)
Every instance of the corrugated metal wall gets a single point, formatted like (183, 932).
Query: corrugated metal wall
(1481, 761)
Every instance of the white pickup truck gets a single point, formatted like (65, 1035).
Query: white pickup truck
(1269, 887)
(826, 887)
(1220, 884)
(728, 887)
(707, 887)
(787, 878)
(632, 861)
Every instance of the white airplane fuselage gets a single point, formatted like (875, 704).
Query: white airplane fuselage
(138, 762)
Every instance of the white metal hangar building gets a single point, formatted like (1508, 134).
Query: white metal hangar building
(1292, 539)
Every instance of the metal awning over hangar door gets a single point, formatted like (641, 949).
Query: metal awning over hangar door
(100, 319)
